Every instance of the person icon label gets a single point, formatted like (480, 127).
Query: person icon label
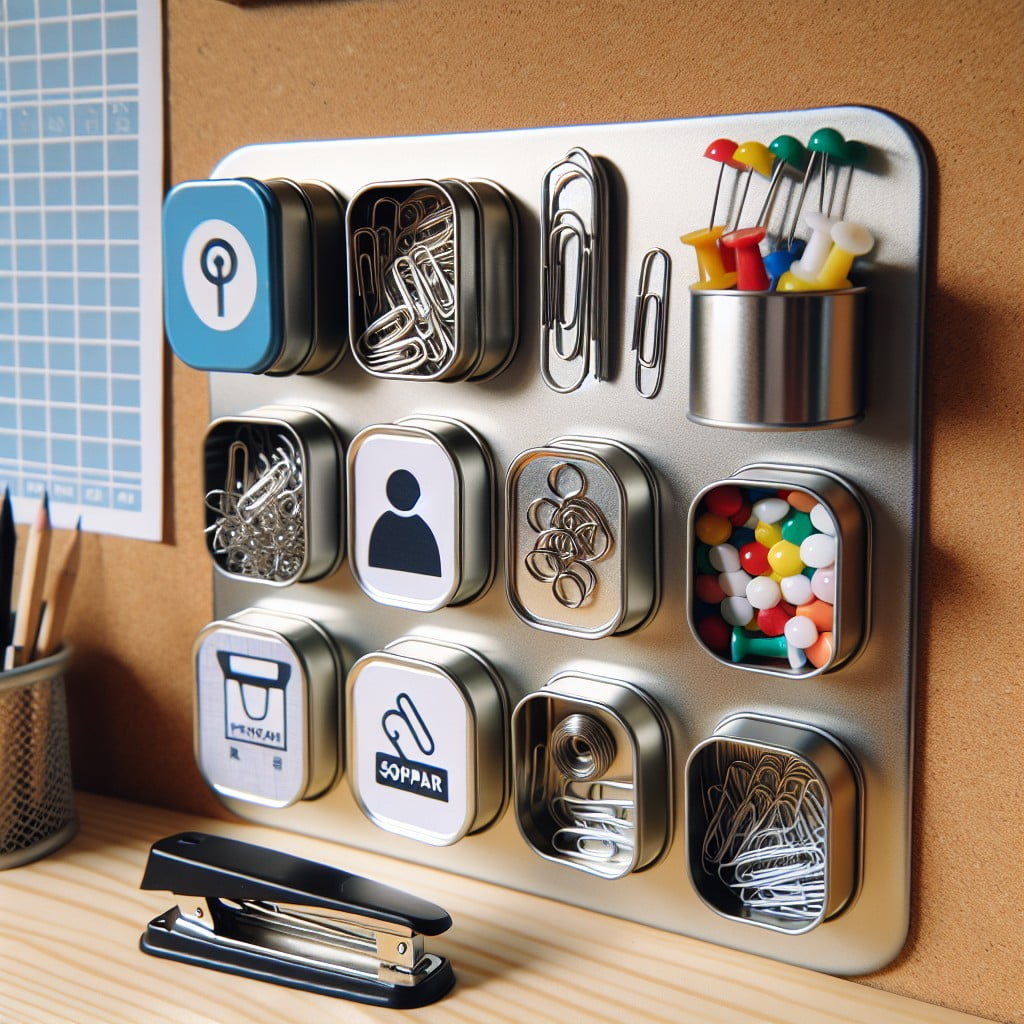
(402, 542)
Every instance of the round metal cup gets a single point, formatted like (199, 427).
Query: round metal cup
(777, 360)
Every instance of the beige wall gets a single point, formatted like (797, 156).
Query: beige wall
(324, 69)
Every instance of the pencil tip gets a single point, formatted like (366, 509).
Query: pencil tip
(78, 525)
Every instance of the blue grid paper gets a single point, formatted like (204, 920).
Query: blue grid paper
(77, 383)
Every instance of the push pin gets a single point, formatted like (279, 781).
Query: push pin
(824, 143)
(711, 265)
(755, 157)
(788, 152)
(723, 152)
(750, 272)
(849, 241)
(802, 276)
(743, 645)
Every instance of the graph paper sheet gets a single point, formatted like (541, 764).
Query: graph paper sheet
(81, 177)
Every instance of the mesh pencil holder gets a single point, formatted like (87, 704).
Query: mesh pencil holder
(37, 812)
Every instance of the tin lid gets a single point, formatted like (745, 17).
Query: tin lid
(420, 513)
(426, 740)
(267, 713)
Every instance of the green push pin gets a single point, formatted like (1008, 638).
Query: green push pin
(824, 144)
(788, 152)
(744, 645)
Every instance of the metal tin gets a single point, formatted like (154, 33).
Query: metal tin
(270, 523)
(457, 297)
(582, 538)
(777, 360)
(267, 708)
(325, 211)
(427, 725)
(421, 513)
(823, 863)
(851, 522)
(592, 775)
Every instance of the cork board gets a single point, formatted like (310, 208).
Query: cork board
(278, 71)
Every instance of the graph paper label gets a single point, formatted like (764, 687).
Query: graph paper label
(81, 177)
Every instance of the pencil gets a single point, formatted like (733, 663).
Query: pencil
(58, 598)
(33, 575)
(8, 546)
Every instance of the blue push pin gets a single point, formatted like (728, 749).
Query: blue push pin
(777, 263)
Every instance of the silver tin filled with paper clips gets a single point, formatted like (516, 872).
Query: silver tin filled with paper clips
(433, 279)
(272, 483)
(575, 222)
(773, 823)
(582, 538)
(591, 773)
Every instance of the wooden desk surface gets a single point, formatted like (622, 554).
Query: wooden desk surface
(70, 924)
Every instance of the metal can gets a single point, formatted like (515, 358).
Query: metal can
(427, 726)
(421, 513)
(592, 775)
(267, 708)
(432, 279)
(274, 495)
(773, 823)
(246, 275)
(582, 543)
(750, 588)
(777, 360)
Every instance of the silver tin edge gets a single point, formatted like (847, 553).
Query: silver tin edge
(842, 783)
(296, 278)
(853, 538)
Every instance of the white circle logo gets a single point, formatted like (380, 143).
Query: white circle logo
(219, 271)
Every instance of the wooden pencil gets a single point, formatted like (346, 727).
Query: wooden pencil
(58, 598)
(33, 576)
(8, 548)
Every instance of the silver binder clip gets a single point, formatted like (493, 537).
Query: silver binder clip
(574, 283)
(279, 918)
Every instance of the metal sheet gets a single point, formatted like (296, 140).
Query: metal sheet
(660, 188)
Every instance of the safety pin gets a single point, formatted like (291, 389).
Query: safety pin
(651, 293)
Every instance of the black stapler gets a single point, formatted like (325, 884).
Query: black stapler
(280, 918)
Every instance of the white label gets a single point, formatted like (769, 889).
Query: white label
(219, 270)
(405, 496)
(411, 762)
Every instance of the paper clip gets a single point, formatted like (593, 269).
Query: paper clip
(574, 273)
(279, 918)
(650, 321)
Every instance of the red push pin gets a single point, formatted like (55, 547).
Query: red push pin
(723, 151)
(750, 273)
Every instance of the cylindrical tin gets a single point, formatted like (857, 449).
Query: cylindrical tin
(777, 360)
(582, 551)
(274, 495)
(592, 775)
(804, 838)
(268, 707)
(427, 726)
(847, 513)
(421, 513)
(432, 279)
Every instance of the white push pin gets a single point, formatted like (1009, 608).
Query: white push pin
(804, 272)
(850, 240)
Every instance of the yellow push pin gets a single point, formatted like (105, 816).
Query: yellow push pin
(755, 157)
(849, 240)
(711, 269)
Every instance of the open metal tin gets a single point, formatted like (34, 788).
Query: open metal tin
(773, 823)
(268, 707)
(582, 538)
(777, 360)
(421, 513)
(274, 495)
(427, 748)
(592, 775)
(813, 562)
(432, 279)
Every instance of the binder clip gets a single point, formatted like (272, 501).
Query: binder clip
(280, 918)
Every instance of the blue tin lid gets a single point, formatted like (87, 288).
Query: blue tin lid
(222, 275)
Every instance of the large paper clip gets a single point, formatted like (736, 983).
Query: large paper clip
(574, 285)
(275, 917)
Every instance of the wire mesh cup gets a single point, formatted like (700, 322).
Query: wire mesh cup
(37, 812)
